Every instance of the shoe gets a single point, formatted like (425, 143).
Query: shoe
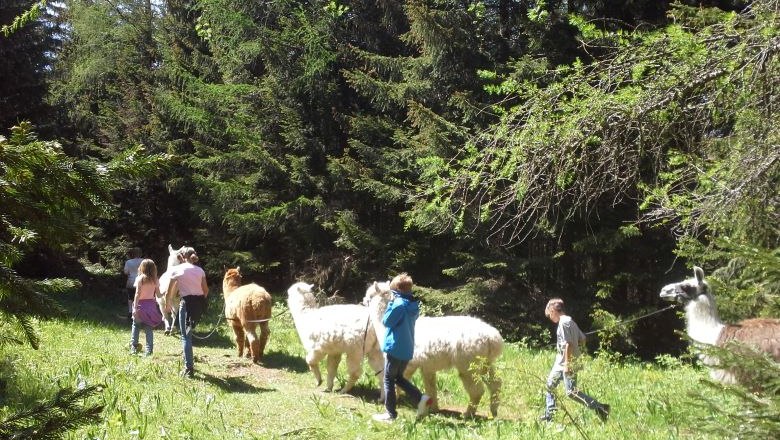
(383, 417)
(545, 418)
(188, 373)
(603, 412)
(424, 405)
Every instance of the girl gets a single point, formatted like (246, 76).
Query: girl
(146, 313)
(189, 281)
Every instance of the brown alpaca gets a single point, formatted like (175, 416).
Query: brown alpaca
(246, 308)
(704, 325)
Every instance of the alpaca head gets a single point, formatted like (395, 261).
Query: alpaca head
(300, 295)
(690, 290)
(173, 257)
(232, 280)
(377, 288)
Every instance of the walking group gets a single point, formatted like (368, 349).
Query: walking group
(147, 300)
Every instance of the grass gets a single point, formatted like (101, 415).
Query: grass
(231, 398)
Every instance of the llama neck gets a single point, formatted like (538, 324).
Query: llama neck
(376, 309)
(228, 287)
(703, 324)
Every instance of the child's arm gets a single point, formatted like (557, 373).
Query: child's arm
(567, 358)
(135, 298)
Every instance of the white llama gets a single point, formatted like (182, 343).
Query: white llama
(332, 331)
(705, 327)
(169, 311)
(467, 344)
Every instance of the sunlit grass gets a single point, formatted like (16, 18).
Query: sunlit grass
(231, 398)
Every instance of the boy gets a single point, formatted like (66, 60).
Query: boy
(569, 337)
(398, 345)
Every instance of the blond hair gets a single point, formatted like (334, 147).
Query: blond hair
(554, 304)
(402, 283)
(147, 272)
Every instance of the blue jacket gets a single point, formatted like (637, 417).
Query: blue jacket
(399, 319)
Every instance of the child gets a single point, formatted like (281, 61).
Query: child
(399, 319)
(569, 337)
(189, 281)
(145, 311)
(131, 270)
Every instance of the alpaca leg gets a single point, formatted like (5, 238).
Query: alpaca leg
(333, 366)
(429, 384)
(238, 331)
(354, 364)
(408, 373)
(265, 332)
(493, 383)
(473, 389)
(313, 359)
(254, 345)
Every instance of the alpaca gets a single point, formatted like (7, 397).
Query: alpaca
(705, 327)
(246, 308)
(332, 331)
(169, 311)
(467, 344)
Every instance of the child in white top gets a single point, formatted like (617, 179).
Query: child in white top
(131, 270)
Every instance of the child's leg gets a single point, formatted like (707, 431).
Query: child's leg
(393, 370)
(135, 329)
(149, 339)
(570, 383)
(552, 381)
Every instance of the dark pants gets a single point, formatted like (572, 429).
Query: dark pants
(191, 310)
(394, 375)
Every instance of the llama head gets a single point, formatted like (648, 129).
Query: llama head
(301, 295)
(687, 291)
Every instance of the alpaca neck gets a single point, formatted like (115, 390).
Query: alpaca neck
(703, 323)
(228, 288)
(376, 309)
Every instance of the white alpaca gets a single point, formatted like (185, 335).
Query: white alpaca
(705, 327)
(169, 311)
(332, 331)
(467, 344)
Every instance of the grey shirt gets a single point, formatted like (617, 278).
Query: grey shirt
(568, 333)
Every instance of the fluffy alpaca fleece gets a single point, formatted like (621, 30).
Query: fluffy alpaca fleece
(246, 308)
(332, 331)
(704, 326)
(467, 344)
(169, 311)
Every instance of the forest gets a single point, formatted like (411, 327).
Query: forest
(502, 152)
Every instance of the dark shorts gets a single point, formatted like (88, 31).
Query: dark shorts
(195, 306)
(130, 293)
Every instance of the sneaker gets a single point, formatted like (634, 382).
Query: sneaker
(383, 417)
(424, 405)
(188, 373)
(545, 418)
(602, 411)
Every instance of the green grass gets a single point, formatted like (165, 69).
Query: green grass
(233, 399)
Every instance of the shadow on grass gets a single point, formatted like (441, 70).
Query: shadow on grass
(233, 384)
(283, 361)
(452, 414)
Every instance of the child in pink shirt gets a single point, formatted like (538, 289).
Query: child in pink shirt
(146, 313)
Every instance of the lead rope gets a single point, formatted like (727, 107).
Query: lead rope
(632, 319)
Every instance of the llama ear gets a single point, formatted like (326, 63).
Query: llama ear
(238, 269)
(698, 272)
(170, 248)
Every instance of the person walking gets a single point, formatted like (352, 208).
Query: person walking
(145, 311)
(398, 346)
(189, 281)
(569, 338)
(131, 271)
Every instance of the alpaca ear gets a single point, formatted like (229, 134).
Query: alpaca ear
(698, 272)
(238, 269)
(170, 248)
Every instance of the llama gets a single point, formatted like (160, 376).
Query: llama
(468, 344)
(246, 308)
(169, 311)
(333, 331)
(705, 327)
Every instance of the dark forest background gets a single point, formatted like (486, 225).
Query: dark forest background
(501, 151)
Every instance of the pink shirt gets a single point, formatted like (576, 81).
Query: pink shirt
(146, 290)
(190, 279)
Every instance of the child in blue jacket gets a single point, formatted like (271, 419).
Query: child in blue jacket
(398, 346)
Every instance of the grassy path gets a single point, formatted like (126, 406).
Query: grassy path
(231, 398)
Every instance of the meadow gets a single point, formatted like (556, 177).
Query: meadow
(230, 398)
